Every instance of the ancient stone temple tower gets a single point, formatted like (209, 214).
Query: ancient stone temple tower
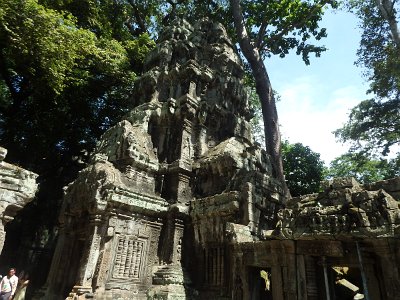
(147, 218)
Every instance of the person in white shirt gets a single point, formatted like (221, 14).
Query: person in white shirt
(8, 285)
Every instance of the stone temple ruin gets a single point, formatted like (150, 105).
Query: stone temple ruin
(17, 188)
(179, 202)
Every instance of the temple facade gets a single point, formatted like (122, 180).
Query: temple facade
(341, 243)
(180, 202)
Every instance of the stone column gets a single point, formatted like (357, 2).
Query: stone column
(326, 279)
(104, 261)
(240, 288)
(201, 140)
(169, 281)
(177, 246)
(46, 292)
(276, 275)
(311, 278)
(187, 147)
(389, 269)
(290, 277)
(90, 256)
(362, 270)
(301, 277)
(372, 282)
(184, 191)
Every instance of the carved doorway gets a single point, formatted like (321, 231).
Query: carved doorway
(346, 283)
(260, 283)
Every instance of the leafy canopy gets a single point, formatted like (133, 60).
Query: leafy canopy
(374, 124)
(304, 170)
(363, 168)
(61, 85)
(279, 26)
(67, 70)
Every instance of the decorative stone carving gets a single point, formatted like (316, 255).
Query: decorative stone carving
(164, 182)
(344, 208)
(318, 233)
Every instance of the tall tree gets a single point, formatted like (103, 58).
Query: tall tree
(374, 124)
(274, 27)
(66, 83)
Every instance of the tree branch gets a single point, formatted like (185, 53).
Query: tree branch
(243, 36)
(138, 17)
(15, 95)
(290, 27)
(387, 11)
(261, 34)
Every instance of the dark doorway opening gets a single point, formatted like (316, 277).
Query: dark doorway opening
(260, 283)
(348, 283)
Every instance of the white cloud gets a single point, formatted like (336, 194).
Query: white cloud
(310, 110)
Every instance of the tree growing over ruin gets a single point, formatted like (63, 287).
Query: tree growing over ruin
(262, 29)
(67, 68)
(275, 27)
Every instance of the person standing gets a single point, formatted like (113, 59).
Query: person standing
(23, 280)
(8, 285)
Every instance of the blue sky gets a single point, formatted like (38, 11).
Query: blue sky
(316, 99)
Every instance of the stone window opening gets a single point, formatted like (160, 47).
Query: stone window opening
(128, 260)
(214, 266)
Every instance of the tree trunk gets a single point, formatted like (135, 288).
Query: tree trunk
(265, 93)
(387, 11)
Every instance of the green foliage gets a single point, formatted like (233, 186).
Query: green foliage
(303, 168)
(374, 124)
(119, 20)
(363, 168)
(36, 41)
(378, 52)
(276, 26)
(137, 50)
(60, 85)
(129, 22)
(67, 70)
(279, 26)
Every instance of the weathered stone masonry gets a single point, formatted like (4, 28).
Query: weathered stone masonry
(17, 188)
(179, 202)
